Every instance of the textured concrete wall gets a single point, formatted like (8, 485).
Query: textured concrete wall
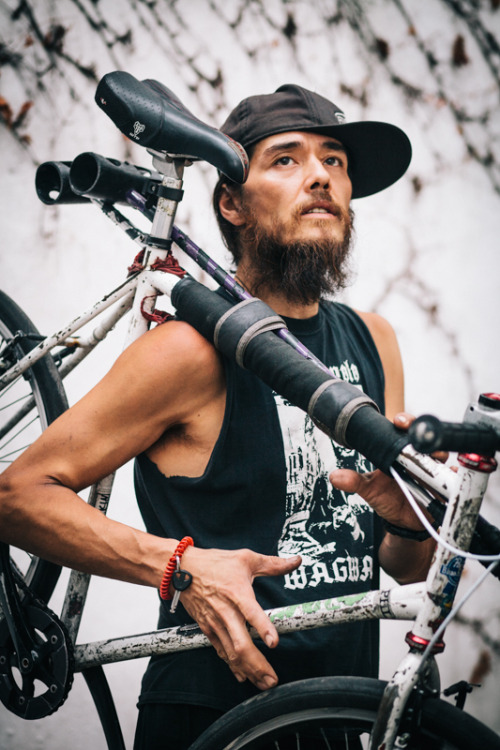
(426, 253)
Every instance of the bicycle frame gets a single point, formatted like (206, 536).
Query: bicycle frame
(427, 604)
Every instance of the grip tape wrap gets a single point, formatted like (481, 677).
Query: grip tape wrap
(338, 408)
(240, 324)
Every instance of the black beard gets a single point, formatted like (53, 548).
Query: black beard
(303, 271)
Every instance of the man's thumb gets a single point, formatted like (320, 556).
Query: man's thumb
(278, 566)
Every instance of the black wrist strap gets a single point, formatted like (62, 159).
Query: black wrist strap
(416, 536)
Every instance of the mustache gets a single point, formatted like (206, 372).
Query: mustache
(324, 197)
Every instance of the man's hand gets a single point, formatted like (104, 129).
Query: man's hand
(405, 560)
(222, 601)
(379, 490)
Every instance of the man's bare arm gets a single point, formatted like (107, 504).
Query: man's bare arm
(148, 390)
(169, 377)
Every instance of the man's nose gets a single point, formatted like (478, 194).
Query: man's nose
(318, 175)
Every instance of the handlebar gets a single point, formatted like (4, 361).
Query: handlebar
(53, 184)
(478, 433)
(428, 434)
(91, 175)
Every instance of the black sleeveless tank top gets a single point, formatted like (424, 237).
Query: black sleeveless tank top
(266, 488)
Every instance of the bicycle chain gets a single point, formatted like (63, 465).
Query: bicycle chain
(41, 690)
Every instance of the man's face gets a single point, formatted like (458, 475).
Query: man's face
(293, 216)
(298, 186)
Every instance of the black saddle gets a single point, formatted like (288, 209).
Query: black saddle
(150, 114)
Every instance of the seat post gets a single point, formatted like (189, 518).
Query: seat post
(169, 193)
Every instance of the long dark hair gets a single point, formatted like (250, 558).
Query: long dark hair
(229, 232)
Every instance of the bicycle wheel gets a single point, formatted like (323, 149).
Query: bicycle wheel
(27, 406)
(334, 713)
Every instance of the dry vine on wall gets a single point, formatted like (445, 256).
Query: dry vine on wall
(40, 68)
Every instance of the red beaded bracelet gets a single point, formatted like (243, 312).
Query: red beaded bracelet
(171, 566)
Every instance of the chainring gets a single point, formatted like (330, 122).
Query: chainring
(43, 689)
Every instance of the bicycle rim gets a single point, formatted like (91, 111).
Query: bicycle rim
(27, 406)
(335, 714)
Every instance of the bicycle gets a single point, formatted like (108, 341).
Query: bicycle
(41, 646)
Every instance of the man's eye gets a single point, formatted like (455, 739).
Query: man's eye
(334, 161)
(284, 160)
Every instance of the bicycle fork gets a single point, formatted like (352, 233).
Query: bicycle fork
(416, 670)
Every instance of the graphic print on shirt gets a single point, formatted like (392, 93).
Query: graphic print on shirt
(331, 530)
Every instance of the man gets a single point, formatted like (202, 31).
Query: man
(223, 459)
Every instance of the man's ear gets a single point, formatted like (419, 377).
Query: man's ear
(230, 205)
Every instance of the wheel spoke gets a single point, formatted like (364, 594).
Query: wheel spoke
(325, 738)
(16, 400)
(19, 449)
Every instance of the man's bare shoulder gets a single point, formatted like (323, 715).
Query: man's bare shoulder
(164, 378)
(388, 348)
(178, 335)
(170, 372)
(382, 333)
(175, 349)
(378, 326)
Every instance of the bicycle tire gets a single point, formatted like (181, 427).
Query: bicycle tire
(43, 384)
(334, 713)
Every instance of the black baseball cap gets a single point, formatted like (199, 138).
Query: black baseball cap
(378, 153)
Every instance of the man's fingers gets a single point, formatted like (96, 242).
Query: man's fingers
(235, 646)
(223, 611)
(441, 456)
(257, 619)
(346, 480)
(370, 486)
(266, 565)
(222, 601)
(403, 420)
(243, 651)
(222, 654)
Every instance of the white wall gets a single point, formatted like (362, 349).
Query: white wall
(427, 260)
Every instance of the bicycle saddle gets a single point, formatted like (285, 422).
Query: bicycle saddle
(150, 114)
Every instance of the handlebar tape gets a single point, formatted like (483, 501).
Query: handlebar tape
(243, 332)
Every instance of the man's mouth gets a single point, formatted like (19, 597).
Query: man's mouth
(321, 209)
